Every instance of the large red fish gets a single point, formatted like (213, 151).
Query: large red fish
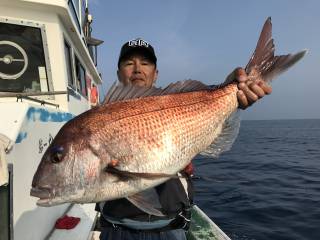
(140, 137)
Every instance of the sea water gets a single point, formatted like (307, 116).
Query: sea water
(268, 185)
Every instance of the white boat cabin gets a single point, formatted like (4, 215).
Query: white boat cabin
(48, 75)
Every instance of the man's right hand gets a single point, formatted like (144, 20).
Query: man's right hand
(249, 91)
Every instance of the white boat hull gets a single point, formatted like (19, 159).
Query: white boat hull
(30, 128)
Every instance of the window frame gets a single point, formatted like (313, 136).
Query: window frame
(83, 87)
(78, 64)
(44, 46)
(76, 15)
(71, 64)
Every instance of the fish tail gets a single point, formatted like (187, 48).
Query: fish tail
(263, 61)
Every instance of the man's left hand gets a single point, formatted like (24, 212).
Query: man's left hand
(249, 91)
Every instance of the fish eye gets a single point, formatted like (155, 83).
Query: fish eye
(56, 154)
(56, 158)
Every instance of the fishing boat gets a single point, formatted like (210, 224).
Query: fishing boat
(48, 75)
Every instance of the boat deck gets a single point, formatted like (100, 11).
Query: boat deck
(202, 227)
(83, 230)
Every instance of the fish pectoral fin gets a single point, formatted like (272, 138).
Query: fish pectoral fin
(225, 140)
(147, 201)
(126, 175)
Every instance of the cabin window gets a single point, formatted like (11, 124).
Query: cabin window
(74, 9)
(68, 56)
(83, 85)
(76, 4)
(81, 78)
(6, 220)
(22, 59)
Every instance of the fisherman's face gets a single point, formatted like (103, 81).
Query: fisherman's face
(137, 69)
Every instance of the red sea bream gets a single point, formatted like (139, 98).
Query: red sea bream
(140, 137)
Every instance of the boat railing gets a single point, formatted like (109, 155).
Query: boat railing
(28, 96)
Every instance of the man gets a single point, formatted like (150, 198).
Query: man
(120, 219)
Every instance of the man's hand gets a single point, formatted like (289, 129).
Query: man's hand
(249, 91)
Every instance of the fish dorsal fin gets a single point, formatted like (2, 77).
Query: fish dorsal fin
(119, 92)
(185, 86)
(225, 140)
(264, 62)
(148, 201)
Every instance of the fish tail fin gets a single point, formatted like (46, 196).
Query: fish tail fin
(263, 61)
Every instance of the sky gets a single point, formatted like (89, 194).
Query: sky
(205, 40)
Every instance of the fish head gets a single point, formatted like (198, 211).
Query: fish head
(70, 169)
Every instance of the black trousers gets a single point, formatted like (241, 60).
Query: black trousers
(118, 233)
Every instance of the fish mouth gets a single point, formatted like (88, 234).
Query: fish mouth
(44, 194)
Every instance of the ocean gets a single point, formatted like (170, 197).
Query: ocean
(268, 185)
